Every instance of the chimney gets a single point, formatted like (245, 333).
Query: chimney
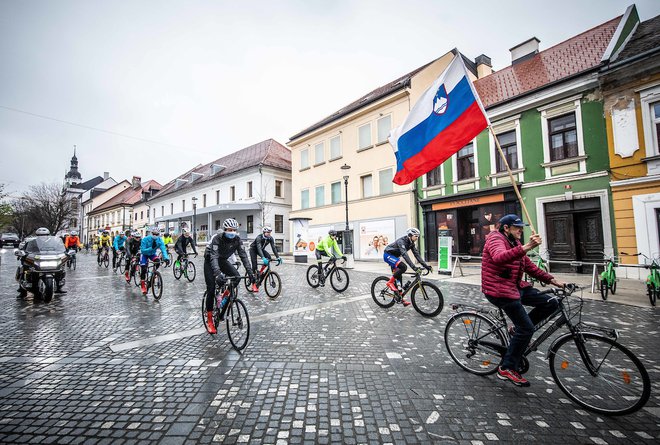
(484, 66)
(106, 175)
(137, 182)
(525, 50)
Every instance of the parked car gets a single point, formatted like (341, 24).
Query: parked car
(7, 239)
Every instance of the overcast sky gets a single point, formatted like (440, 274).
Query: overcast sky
(152, 88)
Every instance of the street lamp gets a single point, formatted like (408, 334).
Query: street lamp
(346, 168)
(194, 201)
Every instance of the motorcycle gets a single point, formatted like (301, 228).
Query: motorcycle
(42, 267)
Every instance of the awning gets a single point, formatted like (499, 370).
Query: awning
(229, 207)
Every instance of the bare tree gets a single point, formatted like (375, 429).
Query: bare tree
(45, 205)
(5, 210)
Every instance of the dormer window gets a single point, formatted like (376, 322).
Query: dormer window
(217, 168)
(194, 176)
(180, 183)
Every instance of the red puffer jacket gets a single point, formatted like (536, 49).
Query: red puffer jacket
(503, 265)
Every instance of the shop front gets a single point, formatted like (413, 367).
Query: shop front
(467, 219)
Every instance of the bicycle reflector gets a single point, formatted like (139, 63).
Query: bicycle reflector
(626, 377)
(466, 321)
(564, 364)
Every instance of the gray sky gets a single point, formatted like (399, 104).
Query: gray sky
(217, 76)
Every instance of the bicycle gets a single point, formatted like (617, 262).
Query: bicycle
(227, 306)
(120, 262)
(134, 270)
(587, 362)
(653, 278)
(71, 263)
(608, 277)
(104, 258)
(426, 297)
(184, 267)
(272, 279)
(538, 262)
(338, 275)
(154, 279)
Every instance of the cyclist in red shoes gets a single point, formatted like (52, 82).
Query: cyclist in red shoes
(399, 249)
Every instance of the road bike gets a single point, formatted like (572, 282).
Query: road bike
(71, 263)
(227, 306)
(120, 262)
(587, 362)
(104, 258)
(539, 262)
(608, 277)
(426, 297)
(184, 267)
(268, 278)
(154, 279)
(338, 275)
(134, 270)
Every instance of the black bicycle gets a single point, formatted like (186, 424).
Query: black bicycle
(227, 306)
(104, 258)
(268, 278)
(154, 279)
(338, 275)
(587, 362)
(184, 267)
(71, 263)
(426, 297)
(120, 262)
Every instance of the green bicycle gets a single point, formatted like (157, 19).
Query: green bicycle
(539, 262)
(608, 277)
(653, 279)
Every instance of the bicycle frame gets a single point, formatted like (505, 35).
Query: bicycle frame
(414, 283)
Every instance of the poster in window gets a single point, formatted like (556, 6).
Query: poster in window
(374, 237)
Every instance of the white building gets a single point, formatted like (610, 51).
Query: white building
(252, 185)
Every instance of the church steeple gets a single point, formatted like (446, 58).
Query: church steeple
(73, 177)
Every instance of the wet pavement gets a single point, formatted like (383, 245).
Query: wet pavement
(103, 364)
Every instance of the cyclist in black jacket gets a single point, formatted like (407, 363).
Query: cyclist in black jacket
(399, 249)
(181, 244)
(217, 266)
(132, 245)
(258, 247)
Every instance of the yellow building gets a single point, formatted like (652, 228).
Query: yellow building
(630, 82)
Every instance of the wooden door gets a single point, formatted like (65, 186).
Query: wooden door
(561, 240)
(590, 238)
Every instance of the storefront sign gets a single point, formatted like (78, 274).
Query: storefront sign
(475, 201)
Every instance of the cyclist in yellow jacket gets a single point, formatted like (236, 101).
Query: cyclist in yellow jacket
(327, 247)
(104, 241)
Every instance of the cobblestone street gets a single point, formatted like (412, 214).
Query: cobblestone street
(103, 364)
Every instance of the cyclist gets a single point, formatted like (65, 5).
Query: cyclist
(216, 263)
(327, 247)
(132, 245)
(399, 249)
(118, 246)
(181, 244)
(104, 242)
(504, 262)
(148, 247)
(167, 239)
(73, 242)
(258, 247)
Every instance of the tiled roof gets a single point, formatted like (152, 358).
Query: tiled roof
(129, 196)
(576, 55)
(382, 91)
(646, 38)
(269, 153)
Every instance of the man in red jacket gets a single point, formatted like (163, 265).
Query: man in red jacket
(504, 262)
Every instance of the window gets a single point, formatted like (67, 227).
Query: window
(183, 205)
(384, 126)
(655, 115)
(279, 224)
(135, 216)
(278, 189)
(364, 136)
(335, 147)
(434, 177)
(563, 137)
(319, 153)
(148, 212)
(366, 182)
(232, 193)
(217, 197)
(279, 243)
(465, 162)
(249, 189)
(171, 208)
(319, 193)
(510, 150)
(385, 185)
(335, 192)
(250, 224)
(304, 159)
(204, 200)
(304, 199)
(162, 211)
(141, 214)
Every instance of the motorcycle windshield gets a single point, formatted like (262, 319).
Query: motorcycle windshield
(45, 245)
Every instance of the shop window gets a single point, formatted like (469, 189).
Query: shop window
(562, 131)
(465, 162)
(509, 148)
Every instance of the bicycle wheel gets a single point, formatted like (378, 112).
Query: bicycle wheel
(238, 325)
(73, 263)
(339, 279)
(106, 261)
(122, 264)
(613, 287)
(618, 383)
(653, 296)
(272, 285)
(313, 276)
(474, 342)
(157, 285)
(427, 299)
(382, 295)
(603, 289)
(176, 269)
(191, 272)
(136, 275)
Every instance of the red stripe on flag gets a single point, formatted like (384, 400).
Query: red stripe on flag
(443, 146)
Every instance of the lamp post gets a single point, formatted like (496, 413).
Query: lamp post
(346, 168)
(194, 201)
(348, 244)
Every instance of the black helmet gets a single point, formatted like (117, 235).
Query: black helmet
(332, 232)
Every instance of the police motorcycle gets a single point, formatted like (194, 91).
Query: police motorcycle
(42, 265)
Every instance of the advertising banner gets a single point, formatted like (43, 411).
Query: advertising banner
(374, 237)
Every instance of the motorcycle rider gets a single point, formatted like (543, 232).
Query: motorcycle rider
(31, 246)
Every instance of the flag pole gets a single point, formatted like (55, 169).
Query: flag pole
(513, 181)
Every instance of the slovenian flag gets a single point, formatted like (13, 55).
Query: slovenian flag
(446, 118)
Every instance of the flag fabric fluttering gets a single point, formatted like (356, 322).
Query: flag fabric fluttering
(446, 117)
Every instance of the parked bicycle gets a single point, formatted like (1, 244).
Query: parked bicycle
(227, 306)
(267, 277)
(104, 259)
(337, 275)
(426, 298)
(587, 362)
(653, 278)
(184, 267)
(542, 264)
(608, 277)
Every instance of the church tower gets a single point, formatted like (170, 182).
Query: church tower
(73, 177)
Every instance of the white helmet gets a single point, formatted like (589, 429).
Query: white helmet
(42, 231)
(230, 223)
(413, 231)
(74, 233)
(267, 229)
(155, 231)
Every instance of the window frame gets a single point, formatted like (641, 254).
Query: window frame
(390, 183)
(382, 118)
(359, 142)
(557, 109)
(371, 185)
(278, 188)
(249, 189)
(232, 193)
(459, 160)
(302, 202)
(249, 224)
(648, 97)
(279, 225)
(304, 159)
(319, 148)
(338, 139)
(332, 200)
(563, 132)
(320, 188)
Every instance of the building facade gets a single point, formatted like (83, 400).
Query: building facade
(111, 220)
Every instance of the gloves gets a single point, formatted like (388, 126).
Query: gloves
(266, 261)
(343, 257)
(251, 276)
(167, 263)
(220, 279)
(429, 268)
(279, 261)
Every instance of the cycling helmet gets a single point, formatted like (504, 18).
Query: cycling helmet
(137, 234)
(332, 232)
(267, 229)
(412, 231)
(42, 231)
(105, 232)
(167, 234)
(230, 223)
(74, 233)
(66, 234)
(155, 231)
(183, 232)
